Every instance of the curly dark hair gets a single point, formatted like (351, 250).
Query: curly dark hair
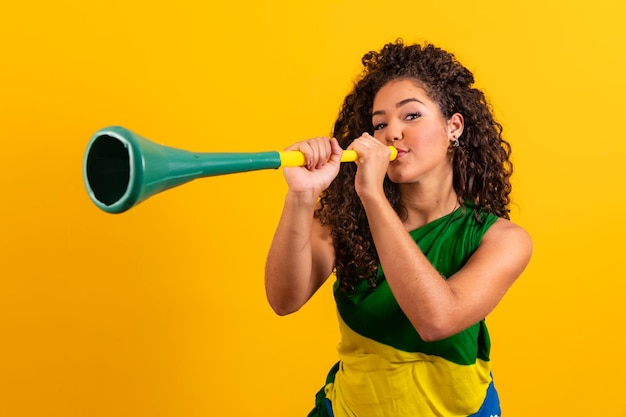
(481, 164)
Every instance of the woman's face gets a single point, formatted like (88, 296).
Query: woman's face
(404, 116)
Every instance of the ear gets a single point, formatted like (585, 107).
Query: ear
(456, 124)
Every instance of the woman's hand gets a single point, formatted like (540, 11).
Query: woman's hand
(323, 159)
(372, 162)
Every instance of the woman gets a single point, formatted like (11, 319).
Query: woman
(422, 247)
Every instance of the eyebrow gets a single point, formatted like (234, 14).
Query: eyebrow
(399, 104)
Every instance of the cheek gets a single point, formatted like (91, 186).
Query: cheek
(437, 137)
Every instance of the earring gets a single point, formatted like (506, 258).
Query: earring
(455, 143)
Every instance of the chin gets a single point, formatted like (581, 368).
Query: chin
(396, 178)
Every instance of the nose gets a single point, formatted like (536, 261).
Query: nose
(393, 133)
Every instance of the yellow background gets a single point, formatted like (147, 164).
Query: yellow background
(161, 311)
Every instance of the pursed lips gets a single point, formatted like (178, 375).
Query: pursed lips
(401, 153)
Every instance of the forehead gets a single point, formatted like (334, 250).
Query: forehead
(397, 90)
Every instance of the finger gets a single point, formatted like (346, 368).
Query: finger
(320, 152)
(336, 151)
(317, 152)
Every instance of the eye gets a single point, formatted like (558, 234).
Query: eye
(413, 116)
(380, 126)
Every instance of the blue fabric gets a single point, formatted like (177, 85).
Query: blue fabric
(329, 408)
(491, 406)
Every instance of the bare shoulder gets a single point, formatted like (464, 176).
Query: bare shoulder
(506, 229)
(506, 237)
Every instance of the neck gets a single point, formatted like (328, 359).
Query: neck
(426, 204)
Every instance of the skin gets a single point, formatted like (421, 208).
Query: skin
(301, 255)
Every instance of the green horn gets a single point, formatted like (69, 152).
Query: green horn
(121, 168)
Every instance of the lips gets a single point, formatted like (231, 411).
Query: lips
(401, 153)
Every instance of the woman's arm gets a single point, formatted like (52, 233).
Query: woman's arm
(437, 307)
(301, 255)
